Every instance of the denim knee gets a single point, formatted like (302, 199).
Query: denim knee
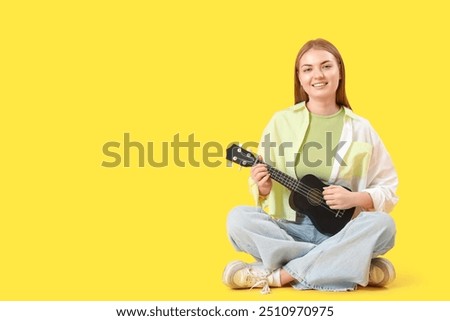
(382, 225)
(383, 222)
(239, 217)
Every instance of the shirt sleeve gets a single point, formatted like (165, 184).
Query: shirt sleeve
(382, 180)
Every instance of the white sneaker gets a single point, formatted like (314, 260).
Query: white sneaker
(240, 275)
(381, 272)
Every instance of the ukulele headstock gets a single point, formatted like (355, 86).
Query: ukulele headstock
(238, 155)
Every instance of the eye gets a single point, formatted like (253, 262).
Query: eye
(327, 66)
(306, 69)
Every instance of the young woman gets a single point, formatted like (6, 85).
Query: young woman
(319, 135)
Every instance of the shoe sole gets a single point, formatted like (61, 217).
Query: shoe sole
(388, 271)
(229, 272)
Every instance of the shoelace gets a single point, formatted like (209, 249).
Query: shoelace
(261, 280)
(265, 289)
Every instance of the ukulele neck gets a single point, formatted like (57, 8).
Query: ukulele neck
(287, 181)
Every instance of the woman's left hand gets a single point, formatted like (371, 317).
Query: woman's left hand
(338, 198)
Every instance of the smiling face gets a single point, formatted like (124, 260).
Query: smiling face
(318, 72)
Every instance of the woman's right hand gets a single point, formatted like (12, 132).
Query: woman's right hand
(261, 176)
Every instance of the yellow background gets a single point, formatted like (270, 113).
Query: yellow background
(78, 74)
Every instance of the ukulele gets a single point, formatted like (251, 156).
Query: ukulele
(306, 193)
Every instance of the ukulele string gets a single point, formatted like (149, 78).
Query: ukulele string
(292, 183)
(300, 187)
(296, 185)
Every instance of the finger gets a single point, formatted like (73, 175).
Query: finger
(259, 167)
(259, 176)
(257, 171)
(333, 205)
(328, 197)
(332, 189)
(336, 205)
(264, 179)
(330, 204)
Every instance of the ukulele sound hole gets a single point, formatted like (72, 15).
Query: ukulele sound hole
(314, 197)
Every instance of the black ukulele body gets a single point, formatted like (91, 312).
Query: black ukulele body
(312, 204)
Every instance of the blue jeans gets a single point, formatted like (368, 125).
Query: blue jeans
(314, 260)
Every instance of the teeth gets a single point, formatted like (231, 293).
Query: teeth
(320, 84)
